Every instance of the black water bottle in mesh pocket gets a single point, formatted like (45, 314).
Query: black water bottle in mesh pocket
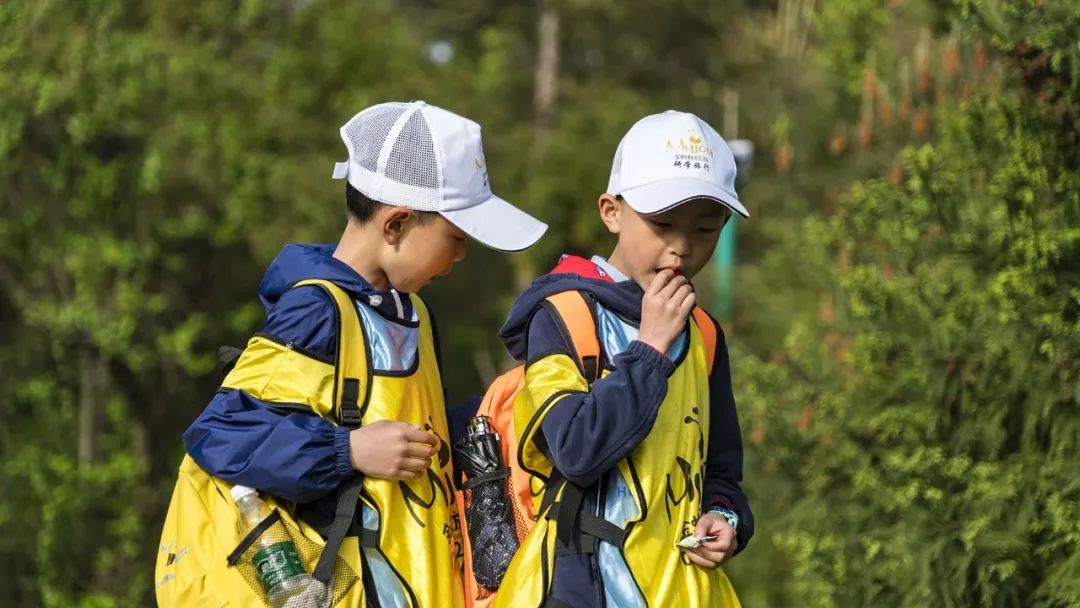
(489, 512)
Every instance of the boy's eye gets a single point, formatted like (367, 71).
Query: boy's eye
(709, 230)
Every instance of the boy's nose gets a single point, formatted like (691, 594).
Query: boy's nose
(680, 246)
(459, 254)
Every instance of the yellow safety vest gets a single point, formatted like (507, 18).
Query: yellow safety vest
(654, 498)
(409, 553)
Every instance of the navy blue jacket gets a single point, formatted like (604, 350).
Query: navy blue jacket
(297, 456)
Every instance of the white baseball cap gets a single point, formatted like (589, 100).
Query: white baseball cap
(667, 159)
(425, 158)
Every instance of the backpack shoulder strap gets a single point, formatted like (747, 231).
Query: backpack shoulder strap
(707, 327)
(576, 318)
(352, 381)
(352, 377)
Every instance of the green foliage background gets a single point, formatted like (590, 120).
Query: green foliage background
(908, 296)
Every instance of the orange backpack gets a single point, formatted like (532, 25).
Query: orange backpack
(575, 310)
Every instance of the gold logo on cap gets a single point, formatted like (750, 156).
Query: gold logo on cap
(692, 144)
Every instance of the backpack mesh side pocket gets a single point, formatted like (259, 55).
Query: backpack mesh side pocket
(246, 555)
(495, 528)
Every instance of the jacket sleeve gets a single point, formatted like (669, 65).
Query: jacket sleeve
(584, 433)
(243, 440)
(724, 460)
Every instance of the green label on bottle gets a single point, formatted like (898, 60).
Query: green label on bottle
(277, 563)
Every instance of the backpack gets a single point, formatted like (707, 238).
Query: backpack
(202, 558)
(574, 312)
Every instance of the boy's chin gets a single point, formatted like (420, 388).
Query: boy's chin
(413, 286)
(643, 281)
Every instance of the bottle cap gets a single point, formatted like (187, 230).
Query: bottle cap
(238, 492)
(479, 425)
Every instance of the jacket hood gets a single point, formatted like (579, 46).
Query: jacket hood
(572, 273)
(298, 262)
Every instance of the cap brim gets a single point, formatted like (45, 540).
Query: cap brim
(498, 224)
(662, 195)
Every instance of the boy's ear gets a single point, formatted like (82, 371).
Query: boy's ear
(610, 212)
(395, 222)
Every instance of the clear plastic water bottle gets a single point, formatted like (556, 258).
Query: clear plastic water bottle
(280, 571)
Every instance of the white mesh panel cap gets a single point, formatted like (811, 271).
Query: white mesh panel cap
(425, 158)
(667, 159)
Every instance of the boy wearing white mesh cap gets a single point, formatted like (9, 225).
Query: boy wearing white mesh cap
(417, 188)
(638, 447)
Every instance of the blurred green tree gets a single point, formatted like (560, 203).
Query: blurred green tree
(921, 428)
(153, 156)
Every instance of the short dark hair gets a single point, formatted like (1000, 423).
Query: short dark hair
(358, 205)
(362, 208)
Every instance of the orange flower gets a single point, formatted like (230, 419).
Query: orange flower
(783, 158)
(805, 418)
(923, 78)
(884, 111)
(980, 56)
(921, 122)
(951, 60)
(838, 143)
(757, 435)
(896, 174)
(866, 133)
